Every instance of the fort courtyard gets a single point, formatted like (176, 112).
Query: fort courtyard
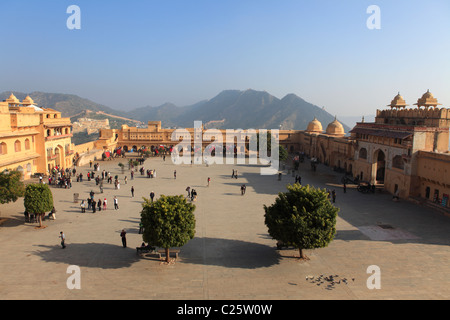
(232, 256)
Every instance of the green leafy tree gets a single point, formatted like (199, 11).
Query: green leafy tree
(168, 222)
(11, 187)
(283, 154)
(302, 217)
(269, 141)
(38, 200)
(147, 153)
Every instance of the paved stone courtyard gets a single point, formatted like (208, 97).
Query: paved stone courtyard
(232, 256)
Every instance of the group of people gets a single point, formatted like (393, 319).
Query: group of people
(91, 204)
(191, 194)
(59, 177)
(332, 195)
(151, 173)
(32, 218)
(61, 181)
(91, 175)
(95, 165)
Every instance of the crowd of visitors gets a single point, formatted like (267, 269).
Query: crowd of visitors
(63, 178)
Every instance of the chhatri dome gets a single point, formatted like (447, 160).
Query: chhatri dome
(398, 102)
(28, 101)
(315, 126)
(427, 100)
(12, 99)
(335, 128)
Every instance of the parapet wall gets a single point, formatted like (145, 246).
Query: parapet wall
(84, 148)
(437, 113)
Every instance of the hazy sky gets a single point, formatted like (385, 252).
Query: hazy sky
(134, 53)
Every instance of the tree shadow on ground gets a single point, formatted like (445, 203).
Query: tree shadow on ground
(89, 255)
(203, 251)
(14, 221)
(350, 235)
(19, 221)
(229, 253)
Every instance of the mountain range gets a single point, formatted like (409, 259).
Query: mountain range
(230, 109)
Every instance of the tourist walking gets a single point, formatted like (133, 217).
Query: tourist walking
(63, 239)
(194, 195)
(152, 195)
(105, 204)
(333, 195)
(116, 203)
(83, 206)
(188, 189)
(209, 180)
(132, 191)
(124, 238)
(175, 174)
(243, 188)
(99, 205)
